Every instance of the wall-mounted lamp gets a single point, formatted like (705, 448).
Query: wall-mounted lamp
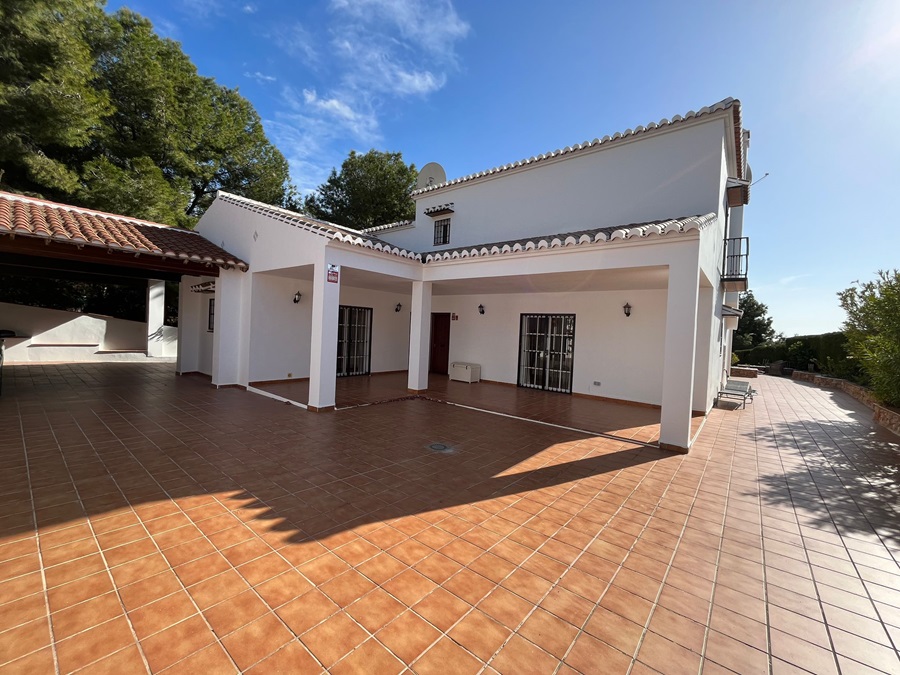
(481, 309)
(398, 307)
(627, 309)
(297, 297)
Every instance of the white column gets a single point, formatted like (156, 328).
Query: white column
(419, 336)
(707, 351)
(156, 314)
(231, 328)
(678, 364)
(188, 337)
(323, 344)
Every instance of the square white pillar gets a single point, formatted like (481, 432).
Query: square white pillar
(156, 315)
(419, 336)
(679, 352)
(231, 329)
(323, 344)
(707, 357)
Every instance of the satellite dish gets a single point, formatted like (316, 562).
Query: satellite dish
(431, 174)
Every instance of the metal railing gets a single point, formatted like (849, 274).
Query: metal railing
(737, 254)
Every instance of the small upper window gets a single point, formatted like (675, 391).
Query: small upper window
(442, 231)
(212, 315)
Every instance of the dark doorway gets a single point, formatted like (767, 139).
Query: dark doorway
(439, 358)
(546, 351)
(354, 352)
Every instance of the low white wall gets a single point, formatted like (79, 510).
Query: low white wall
(281, 330)
(624, 354)
(52, 335)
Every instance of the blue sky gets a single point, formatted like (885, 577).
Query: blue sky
(476, 84)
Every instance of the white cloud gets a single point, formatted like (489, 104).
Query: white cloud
(249, 9)
(295, 40)
(261, 78)
(202, 9)
(372, 54)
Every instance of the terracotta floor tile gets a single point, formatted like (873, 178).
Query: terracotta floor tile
(256, 478)
(161, 614)
(188, 552)
(139, 569)
(447, 658)
(347, 587)
(292, 658)
(231, 614)
(283, 588)
(667, 656)
(323, 568)
(21, 611)
(408, 636)
(94, 644)
(527, 585)
(218, 588)
(177, 642)
(480, 634)
(37, 662)
(24, 639)
(734, 654)
(507, 608)
(132, 551)
(333, 638)
(492, 567)
(77, 591)
(409, 587)
(441, 608)
(615, 630)
(304, 612)
(202, 568)
(370, 657)
(211, 659)
(549, 632)
(469, 586)
(521, 656)
(148, 590)
(375, 610)
(256, 640)
(127, 660)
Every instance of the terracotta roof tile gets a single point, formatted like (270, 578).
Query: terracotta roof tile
(548, 241)
(578, 238)
(28, 217)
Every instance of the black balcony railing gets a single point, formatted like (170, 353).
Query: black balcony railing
(734, 268)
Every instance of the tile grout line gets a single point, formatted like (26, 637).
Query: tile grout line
(105, 564)
(45, 589)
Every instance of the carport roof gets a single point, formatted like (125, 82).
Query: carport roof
(62, 223)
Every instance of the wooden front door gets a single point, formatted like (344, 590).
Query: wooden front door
(439, 359)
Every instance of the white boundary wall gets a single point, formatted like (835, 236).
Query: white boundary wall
(53, 335)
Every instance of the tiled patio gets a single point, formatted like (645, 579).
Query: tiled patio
(625, 421)
(153, 523)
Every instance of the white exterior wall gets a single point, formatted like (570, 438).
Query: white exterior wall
(52, 335)
(671, 174)
(195, 339)
(281, 331)
(390, 329)
(622, 353)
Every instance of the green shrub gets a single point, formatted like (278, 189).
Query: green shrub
(873, 332)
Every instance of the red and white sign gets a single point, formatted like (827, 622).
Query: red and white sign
(333, 274)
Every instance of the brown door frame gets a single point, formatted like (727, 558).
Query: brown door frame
(439, 350)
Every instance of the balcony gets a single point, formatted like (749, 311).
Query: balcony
(734, 268)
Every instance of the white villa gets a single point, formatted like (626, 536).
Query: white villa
(606, 269)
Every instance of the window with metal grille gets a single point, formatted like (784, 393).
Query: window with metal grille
(210, 326)
(442, 231)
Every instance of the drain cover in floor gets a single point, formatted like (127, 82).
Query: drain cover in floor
(441, 447)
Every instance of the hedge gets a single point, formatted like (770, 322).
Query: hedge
(824, 347)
